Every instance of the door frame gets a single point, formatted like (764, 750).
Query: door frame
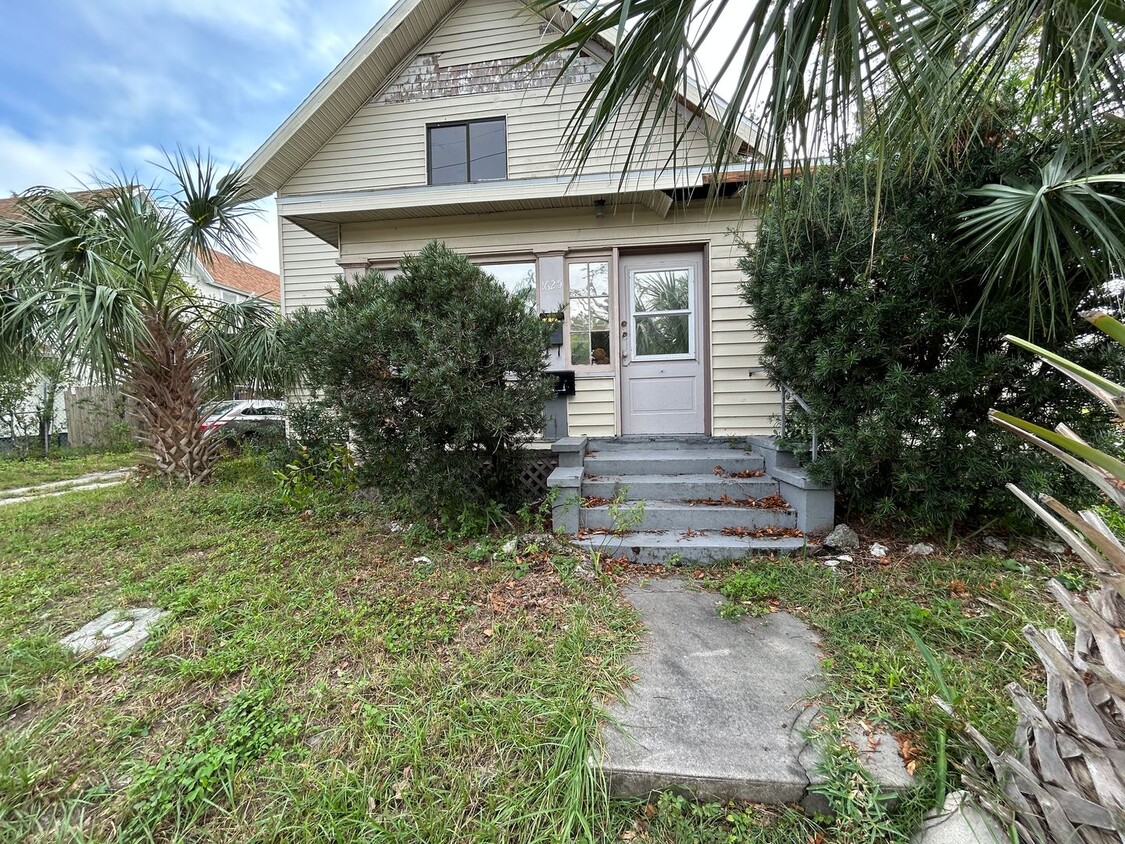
(703, 320)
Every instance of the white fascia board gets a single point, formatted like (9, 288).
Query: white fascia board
(595, 184)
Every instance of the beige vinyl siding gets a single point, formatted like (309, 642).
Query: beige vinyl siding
(384, 144)
(510, 30)
(740, 404)
(591, 412)
(308, 267)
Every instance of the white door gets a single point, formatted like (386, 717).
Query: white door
(662, 325)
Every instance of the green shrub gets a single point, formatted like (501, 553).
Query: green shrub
(884, 334)
(439, 374)
(314, 454)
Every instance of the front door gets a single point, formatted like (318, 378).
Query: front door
(662, 324)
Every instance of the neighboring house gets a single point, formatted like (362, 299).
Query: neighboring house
(26, 422)
(428, 130)
(222, 277)
(218, 277)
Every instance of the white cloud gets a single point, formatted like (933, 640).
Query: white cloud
(264, 251)
(26, 162)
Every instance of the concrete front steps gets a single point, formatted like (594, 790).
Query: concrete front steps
(684, 499)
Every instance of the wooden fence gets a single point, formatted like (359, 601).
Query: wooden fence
(96, 417)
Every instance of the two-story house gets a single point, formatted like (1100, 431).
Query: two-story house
(429, 130)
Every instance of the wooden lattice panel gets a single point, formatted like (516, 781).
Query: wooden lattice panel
(533, 476)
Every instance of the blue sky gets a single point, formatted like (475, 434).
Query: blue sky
(96, 85)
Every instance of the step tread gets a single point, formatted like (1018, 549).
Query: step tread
(673, 504)
(699, 537)
(668, 478)
(701, 548)
(717, 454)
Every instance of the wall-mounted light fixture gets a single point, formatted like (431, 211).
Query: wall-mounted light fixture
(599, 208)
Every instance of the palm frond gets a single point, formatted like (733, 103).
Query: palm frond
(212, 213)
(1042, 234)
(23, 314)
(241, 341)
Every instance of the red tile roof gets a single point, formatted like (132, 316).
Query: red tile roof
(227, 271)
(240, 275)
(10, 210)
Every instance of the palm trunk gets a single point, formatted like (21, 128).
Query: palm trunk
(166, 391)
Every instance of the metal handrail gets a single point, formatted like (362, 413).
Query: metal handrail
(789, 394)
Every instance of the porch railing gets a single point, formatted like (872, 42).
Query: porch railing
(788, 394)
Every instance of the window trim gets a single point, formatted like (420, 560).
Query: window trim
(445, 124)
(591, 369)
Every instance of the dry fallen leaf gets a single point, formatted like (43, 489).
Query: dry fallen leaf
(403, 784)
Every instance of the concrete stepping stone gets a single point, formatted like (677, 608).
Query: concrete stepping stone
(721, 708)
(117, 634)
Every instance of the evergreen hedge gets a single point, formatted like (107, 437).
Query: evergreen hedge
(885, 335)
(439, 373)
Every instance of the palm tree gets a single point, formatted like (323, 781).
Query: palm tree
(100, 283)
(911, 81)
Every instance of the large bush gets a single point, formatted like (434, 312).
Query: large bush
(438, 372)
(884, 334)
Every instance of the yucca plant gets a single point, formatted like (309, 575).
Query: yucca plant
(100, 281)
(1065, 779)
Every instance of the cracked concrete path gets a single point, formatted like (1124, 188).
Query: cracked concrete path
(95, 480)
(720, 708)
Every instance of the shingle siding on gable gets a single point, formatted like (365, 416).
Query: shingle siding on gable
(466, 71)
(427, 79)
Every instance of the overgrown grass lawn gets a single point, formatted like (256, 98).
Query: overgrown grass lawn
(332, 676)
(60, 465)
(967, 609)
(320, 678)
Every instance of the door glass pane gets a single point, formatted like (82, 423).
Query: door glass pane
(449, 156)
(516, 279)
(663, 335)
(589, 316)
(488, 148)
(665, 290)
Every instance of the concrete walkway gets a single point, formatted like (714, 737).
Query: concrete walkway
(721, 708)
(95, 480)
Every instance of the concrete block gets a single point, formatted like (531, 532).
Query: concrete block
(961, 821)
(565, 486)
(814, 502)
(571, 451)
(878, 752)
(116, 634)
(775, 456)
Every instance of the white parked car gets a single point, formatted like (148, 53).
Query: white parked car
(246, 419)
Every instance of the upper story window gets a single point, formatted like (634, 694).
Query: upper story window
(474, 151)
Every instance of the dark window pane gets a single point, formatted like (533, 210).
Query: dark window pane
(488, 148)
(579, 348)
(449, 159)
(599, 351)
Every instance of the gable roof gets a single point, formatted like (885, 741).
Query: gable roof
(245, 277)
(371, 65)
(10, 207)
